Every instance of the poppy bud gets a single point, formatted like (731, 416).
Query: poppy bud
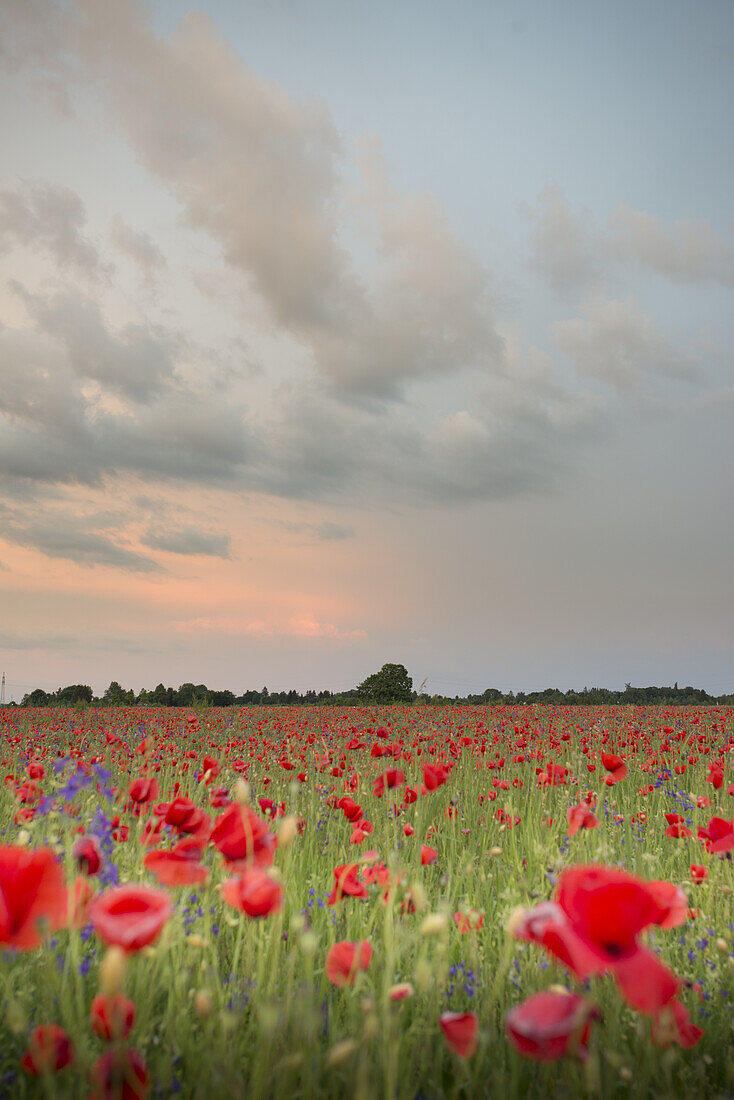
(112, 971)
(340, 1053)
(287, 831)
(202, 1004)
(242, 792)
(434, 924)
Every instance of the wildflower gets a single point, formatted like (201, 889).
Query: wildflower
(253, 892)
(552, 1025)
(31, 891)
(460, 1031)
(49, 1050)
(112, 1016)
(130, 917)
(345, 959)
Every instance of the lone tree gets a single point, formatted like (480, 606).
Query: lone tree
(391, 684)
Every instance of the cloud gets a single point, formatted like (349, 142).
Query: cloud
(302, 627)
(48, 216)
(187, 540)
(563, 241)
(322, 532)
(72, 538)
(263, 175)
(137, 361)
(139, 247)
(617, 344)
(687, 251)
(574, 251)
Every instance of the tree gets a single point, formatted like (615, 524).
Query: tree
(73, 694)
(37, 698)
(391, 684)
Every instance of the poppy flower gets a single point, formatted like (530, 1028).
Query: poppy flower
(673, 1025)
(31, 891)
(393, 777)
(460, 1031)
(434, 776)
(718, 835)
(400, 992)
(253, 892)
(468, 922)
(615, 765)
(130, 917)
(346, 883)
(112, 1016)
(552, 1025)
(698, 873)
(580, 817)
(240, 835)
(593, 925)
(344, 960)
(88, 854)
(49, 1050)
(120, 1074)
(80, 896)
(428, 855)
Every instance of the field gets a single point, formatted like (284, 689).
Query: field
(427, 842)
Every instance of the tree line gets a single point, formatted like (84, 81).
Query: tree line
(391, 684)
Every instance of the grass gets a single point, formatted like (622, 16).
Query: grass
(230, 1006)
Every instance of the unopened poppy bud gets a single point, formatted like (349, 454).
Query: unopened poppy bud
(242, 792)
(418, 896)
(371, 1026)
(559, 989)
(23, 837)
(495, 852)
(202, 1004)
(625, 1073)
(16, 1018)
(307, 943)
(195, 940)
(423, 975)
(400, 992)
(722, 946)
(287, 832)
(434, 924)
(112, 971)
(517, 916)
(340, 1052)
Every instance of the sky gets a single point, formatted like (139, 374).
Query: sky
(335, 334)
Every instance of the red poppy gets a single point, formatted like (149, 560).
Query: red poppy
(88, 855)
(31, 891)
(240, 835)
(552, 1025)
(112, 1017)
(593, 925)
(468, 922)
(428, 855)
(673, 1025)
(347, 882)
(178, 867)
(143, 790)
(434, 776)
(49, 1050)
(80, 896)
(393, 777)
(130, 917)
(718, 835)
(580, 817)
(120, 1074)
(344, 960)
(460, 1030)
(615, 765)
(253, 892)
(698, 873)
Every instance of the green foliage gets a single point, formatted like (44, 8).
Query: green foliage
(391, 684)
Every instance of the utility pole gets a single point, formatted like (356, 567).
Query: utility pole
(2, 692)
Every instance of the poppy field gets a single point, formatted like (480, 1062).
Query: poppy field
(394, 903)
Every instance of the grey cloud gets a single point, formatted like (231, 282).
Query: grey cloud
(136, 362)
(66, 536)
(563, 241)
(258, 171)
(52, 217)
(688, 250)
(187, 540)
(322, 532)
(617, 344)
(572, 250)
(139, 247)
